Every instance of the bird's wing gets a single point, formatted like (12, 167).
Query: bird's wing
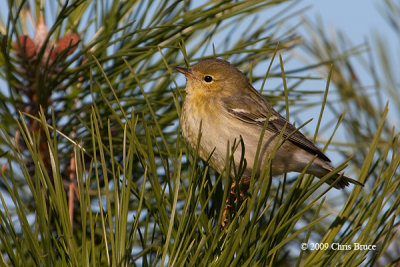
(252, 108)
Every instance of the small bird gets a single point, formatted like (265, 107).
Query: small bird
(221, 100)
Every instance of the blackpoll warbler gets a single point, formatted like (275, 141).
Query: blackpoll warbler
(220, 98)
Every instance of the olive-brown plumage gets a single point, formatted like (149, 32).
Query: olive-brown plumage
(220, 99)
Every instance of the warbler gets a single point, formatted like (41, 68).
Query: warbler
(221, 103)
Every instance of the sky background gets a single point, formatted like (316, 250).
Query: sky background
(360, 20)
(357, 18)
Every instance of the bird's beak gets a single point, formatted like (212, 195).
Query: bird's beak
(185, 71)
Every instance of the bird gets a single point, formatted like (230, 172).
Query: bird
(222, 105)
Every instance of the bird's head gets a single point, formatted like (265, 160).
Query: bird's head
(214, 77)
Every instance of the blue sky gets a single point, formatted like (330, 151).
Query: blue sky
(357, 18)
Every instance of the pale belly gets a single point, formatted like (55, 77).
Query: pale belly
(219, 138)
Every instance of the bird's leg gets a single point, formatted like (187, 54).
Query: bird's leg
(233, 200)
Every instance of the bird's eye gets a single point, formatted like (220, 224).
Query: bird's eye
(208, 79)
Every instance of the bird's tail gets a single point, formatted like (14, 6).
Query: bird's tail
(343, 181)
(320, 168)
